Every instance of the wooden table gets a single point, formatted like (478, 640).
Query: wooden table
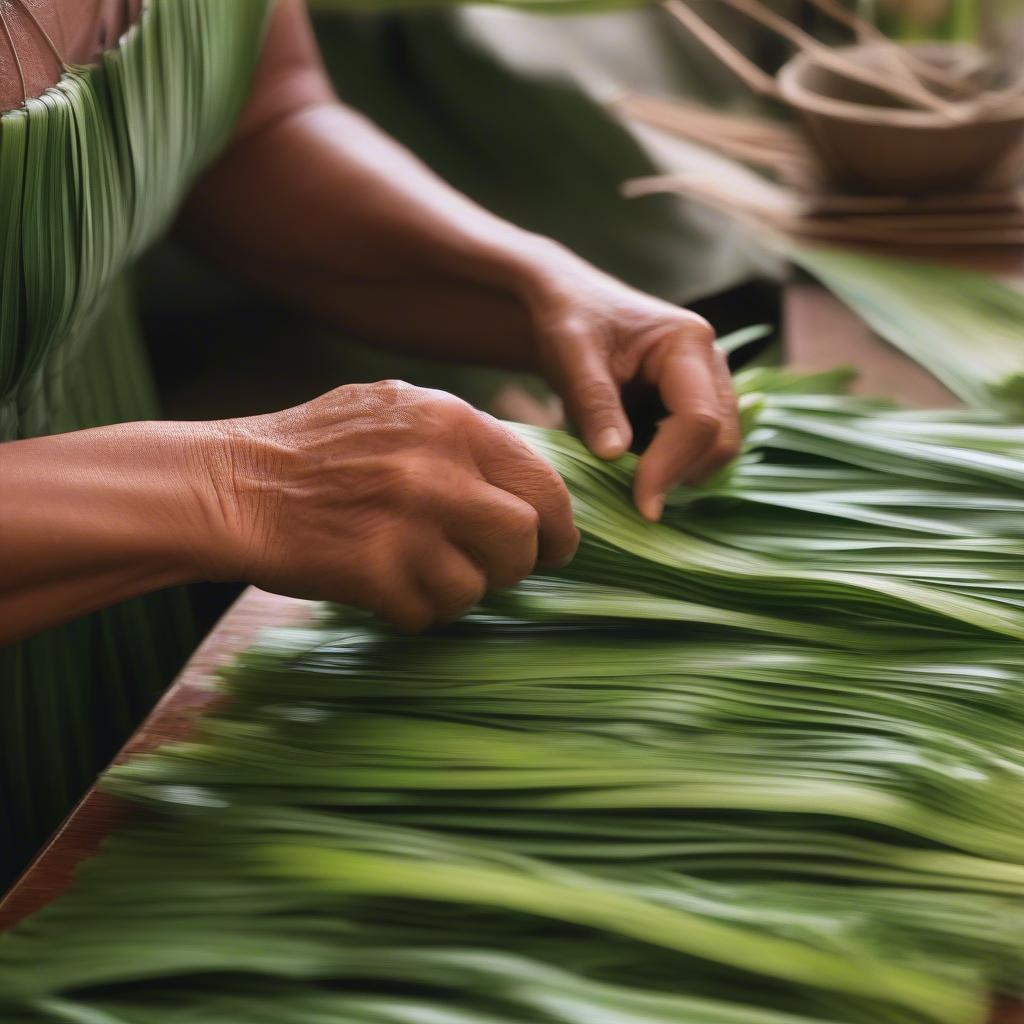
(811, 315)
(190, 694)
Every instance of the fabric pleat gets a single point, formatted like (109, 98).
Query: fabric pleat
(91, 172)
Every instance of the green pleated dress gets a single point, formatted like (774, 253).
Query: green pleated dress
(90, 173)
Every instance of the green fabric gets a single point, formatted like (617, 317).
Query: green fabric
(90, 173)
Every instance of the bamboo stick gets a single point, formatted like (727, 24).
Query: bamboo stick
(745, 69)
(917, 95)
(759, 81)
(904, 58)
(780, 210)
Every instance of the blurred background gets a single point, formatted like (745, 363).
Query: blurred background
(512, 107)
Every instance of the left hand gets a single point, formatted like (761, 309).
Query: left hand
(595, 335)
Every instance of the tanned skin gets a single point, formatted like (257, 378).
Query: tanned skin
(404, 501)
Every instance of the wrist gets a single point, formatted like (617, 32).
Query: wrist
(531, 266)
(237, 470)
(120, 506)
(164, 480)
(176, 485)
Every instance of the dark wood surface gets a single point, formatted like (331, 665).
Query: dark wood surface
(191, 693)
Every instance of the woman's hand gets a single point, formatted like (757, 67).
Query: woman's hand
(595, 336)
(401, 500)
(363, 234)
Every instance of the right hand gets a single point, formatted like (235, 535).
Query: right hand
(404, 501)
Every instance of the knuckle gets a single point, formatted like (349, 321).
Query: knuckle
(510, 516)
(445, 400)
(559, 490)
(511, 460)
(697, 330)
(574, 326)
(393, 391)
(511, 549)
(518, 543)
(681, 331)
(523, 520)
(447, 413)
(701, 423)
(423, 406)
(458, 588)
(596, 396)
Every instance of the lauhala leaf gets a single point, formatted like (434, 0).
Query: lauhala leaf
(662, 785)
(963, 326)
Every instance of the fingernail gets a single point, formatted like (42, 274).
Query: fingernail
(654, 508)
(568, 558)
(608, 443)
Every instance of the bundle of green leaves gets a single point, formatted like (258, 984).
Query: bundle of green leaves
(762, 764)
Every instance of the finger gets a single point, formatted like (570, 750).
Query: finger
(406, 607)
(591, 393)
(730, 434)
(686, 379)
(499, 532)
(452, 582)
(730, 438)
(507, 462)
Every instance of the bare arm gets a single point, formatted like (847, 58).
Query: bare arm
(400, 500)
(313, 201)
(97, 516)
(353, 226)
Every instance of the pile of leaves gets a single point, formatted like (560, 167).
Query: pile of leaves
(761, 764)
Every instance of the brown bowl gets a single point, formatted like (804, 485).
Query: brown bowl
(870, 143)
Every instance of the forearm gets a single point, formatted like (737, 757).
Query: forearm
(317, 204)
(93, 517)
(313, 201)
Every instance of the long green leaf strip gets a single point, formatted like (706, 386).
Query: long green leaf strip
(763, 764)
(963, 326)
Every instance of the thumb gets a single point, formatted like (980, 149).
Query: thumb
(592, 397)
